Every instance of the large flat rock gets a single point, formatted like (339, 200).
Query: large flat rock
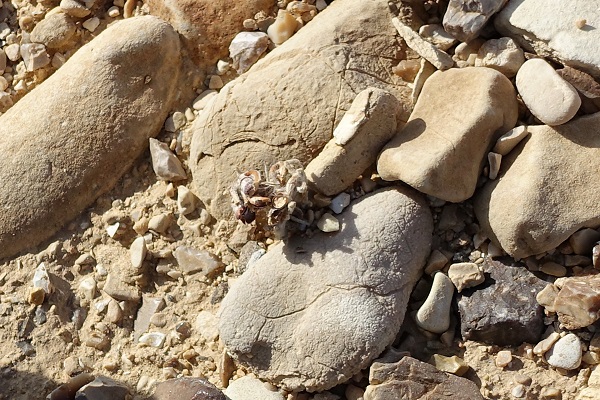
(288, 104)
(70, 139)
(546, 190)
(311, 313)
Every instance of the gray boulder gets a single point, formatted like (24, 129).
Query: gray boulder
(288, 104)
(70, 139)
(465, 19)
(311, 313)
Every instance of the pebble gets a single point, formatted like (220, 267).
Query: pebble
(88, 288)
(203, 99)
(103, 388)
(175, 122)
(494, 161)
(248, 387)
(510, 140)
(150, 306)
(502, 54)
(465, 275)
(34, 56)
(207, 325)
(340, 202)
(428, 51)
(191, 260)
(137, 252)
(566, 353)
(74, 8)
(553, 269)
(328, 223)
(245, 49)
(54, 31)
(453, 365)
(578, 302)
(13, 52)
(548, 393)
(68, 389)
(518, 391)
(91, 24)
(36, 296)
(160, 223)
(503, 358)
(153, 339)
(437, 261)
(546, 297)
(116, 288)
(559, 102)
(215, 82)
(283, 28)
(112, 229)
(435, 34)
(186, 200)
(187, 388)
(434, 314)
(584, 240)
(114, 12)
(166, 165)
(544, 345)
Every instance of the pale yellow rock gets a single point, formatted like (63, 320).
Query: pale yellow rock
(453, 365)
(283, 28)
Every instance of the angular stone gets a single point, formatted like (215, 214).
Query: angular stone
(544, 195)
(34, 56)
(566, 353)
(583, 241)
(322, 67)
(118, 289)
(465, 19)
(412, 379)
(150, 306)
(434, 314)
(54, 31)
(191, 260)
(361, 134)
(436, 34)
(246, 48)
(465, 275)
(166, 165)
(453, 365)
(422, 47)
(442, 149)
(74, 8)
(549, 97)
(283, 28)
(337, 319)
(553, 33)
(502, 54)
(103, 388)
(503, 310)
(67, 146)
(248, 387)
(581, 81)
(187, 388)
(578, 302)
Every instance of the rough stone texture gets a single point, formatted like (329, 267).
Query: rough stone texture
(187, 389)
(458, 117)
(208, 26)
(566, 353)
(503, 310)
(103, 388)
(54, 31)
(501, 54)
(250, 388)
(303, 88)
(581, 81)
(578, 302)
(337, 304)
(543, 194)
(371, 122)
(465, 19)
(553, 32)
(464, 275)
(70, 139)
(412, 379)
(549, 97)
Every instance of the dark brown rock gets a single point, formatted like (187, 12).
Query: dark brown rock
(187, 389)
(503, 310)
(582, 81)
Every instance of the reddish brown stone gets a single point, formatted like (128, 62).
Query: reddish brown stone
(578, 302)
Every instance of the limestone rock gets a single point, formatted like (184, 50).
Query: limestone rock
(54, 31)
(442, 149)
(581, 81)
(250, 388)
(316, 75)
(338, 304)
(503, 310)
(465, 19)
(66, 146)
(422, 47)
(411, 378)
(501, 54)
(578, 302)
(464, 275)
(434, 314)
(549, 97)
(553, 33)
(435, 33)
(205, 40)
(365, 128)
(510, 140)
(543, 194)
(74, 8)
(187, 389)
(166, 165)
(246, 48)
(103, 388)
(566, 353)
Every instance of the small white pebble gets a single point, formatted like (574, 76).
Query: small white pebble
(91, 24)
(114, 12)
(112, 229)
(328, 223)
(223, 67)
(518, 391)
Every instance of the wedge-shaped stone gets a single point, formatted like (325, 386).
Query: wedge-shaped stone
(311, 313)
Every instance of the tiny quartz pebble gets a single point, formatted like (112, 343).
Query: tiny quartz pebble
(328, 223)
(503, 358)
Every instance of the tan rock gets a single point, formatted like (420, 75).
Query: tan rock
(543, 194)
(66, 146)
(54, 31)
(465, 275)
(442, 149)
(502, 54)
(578, 302)
(321, 68)
(422, 47)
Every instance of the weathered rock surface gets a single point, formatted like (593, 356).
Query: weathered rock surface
(187, 389)
(250, 388)
(363, 131)
(303, 88)
(337, 304)
(70, 139)
(543, 194)
(502, 54)
(458, 117)
(503, 310)
(465, 19)
(553, 32)
(566, 352)
(54, 31)
(578, 302)
(103, 388)
(412, 379)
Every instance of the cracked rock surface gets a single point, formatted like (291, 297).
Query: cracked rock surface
(347, 48)
(317, 311)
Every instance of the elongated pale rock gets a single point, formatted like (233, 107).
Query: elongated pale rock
(428, 51)
(70, 139)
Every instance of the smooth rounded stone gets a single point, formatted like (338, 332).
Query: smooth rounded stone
(502, 54)
(54, 31)
(65, 155)
(137, 252)
(578, 302)
(283, 28)
(339, 303)
(503, 310)
(442, 149)
(166, 165)
(250, 388)
(549, 97)
(187, 388)
(465, 20)
(494, 161)
(434, 314)
(203, 99)
(544, 195)
(583, 241)
(67, 390)
(510, 140)
(103, 388)
(321, 68)
(74, 8)
(153, 339)
(546, 344)
(566, 353)
(553, 33)
(364, 129)
(436, 34)
(407, 377)
(422, 47)
(553, 269)
(246, 48)
(503, 358)
(465, 275)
